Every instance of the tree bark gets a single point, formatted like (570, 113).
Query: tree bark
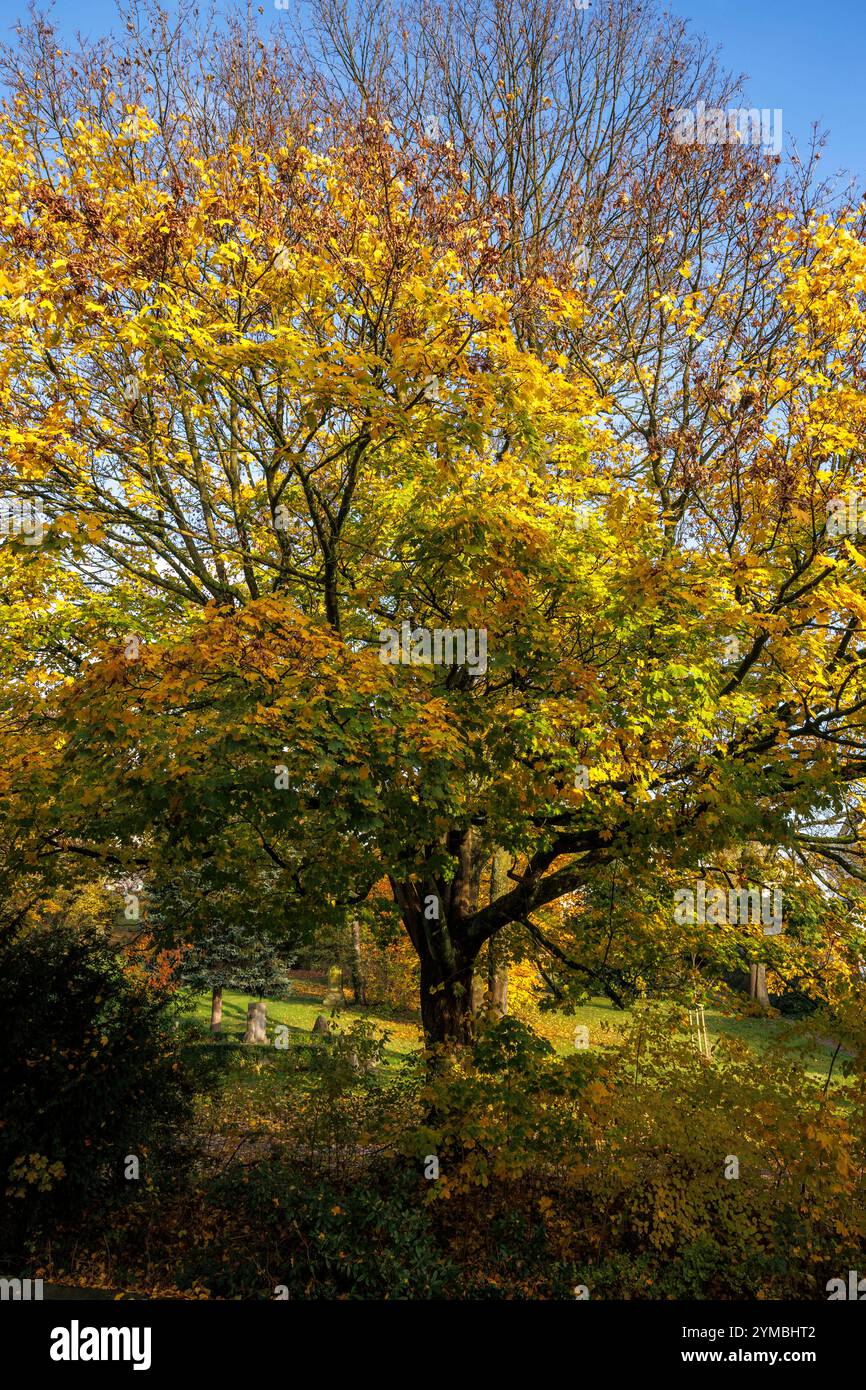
(497, 967)
(446, 1002)
(435, 914)
(478, 995)
(216, 1009)
(497, 979)
(359, 984)
(758, 984)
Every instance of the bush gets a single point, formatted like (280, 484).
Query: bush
(91, 1072)
(611, 1170)
(324, 1239)
(648, 1172)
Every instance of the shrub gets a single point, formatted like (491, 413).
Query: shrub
(617, 1169)
(324, 1239)
(91, 1072)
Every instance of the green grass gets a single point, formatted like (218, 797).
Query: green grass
(603, 1020)
(760, 1033)
(258, 1080)
(299, 1015)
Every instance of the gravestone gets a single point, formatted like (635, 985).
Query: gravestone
(322, 1025)
(257, 1017)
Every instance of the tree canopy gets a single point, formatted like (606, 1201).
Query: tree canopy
(287, 383)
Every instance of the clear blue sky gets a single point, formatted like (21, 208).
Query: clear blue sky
(805, 56)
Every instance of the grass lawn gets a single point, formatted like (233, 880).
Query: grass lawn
(599, 1016)
(300, 1014)
(605, 1021)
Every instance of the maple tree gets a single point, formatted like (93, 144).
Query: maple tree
(432, 500)
(281, 391)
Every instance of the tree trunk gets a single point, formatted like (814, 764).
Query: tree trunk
(257, 1017)
(758, 985)
(497, 967)
(359, 984)
(216, 1009)
(497, 979)
(477, 995)
(446, 1003)
(435, 916)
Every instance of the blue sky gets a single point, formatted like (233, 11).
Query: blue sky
(805, 56)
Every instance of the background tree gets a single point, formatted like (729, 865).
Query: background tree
(228, 941)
